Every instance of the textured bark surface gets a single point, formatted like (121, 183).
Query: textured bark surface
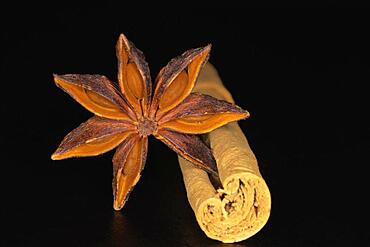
(242, 206)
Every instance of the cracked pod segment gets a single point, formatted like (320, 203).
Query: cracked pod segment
(127, 113)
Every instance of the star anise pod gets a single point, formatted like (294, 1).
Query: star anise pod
(126, 115)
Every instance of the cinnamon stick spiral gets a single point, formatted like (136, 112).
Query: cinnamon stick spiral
(242, 206)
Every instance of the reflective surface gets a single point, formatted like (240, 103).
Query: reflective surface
(303, 83)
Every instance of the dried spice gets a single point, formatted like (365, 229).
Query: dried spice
(240, 205)
(126, 115)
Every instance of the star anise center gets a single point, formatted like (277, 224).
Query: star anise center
(146, 127)
(127, 113)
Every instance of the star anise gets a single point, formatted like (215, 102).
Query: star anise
(126, 115)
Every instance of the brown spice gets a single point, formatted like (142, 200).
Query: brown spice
(125, 117)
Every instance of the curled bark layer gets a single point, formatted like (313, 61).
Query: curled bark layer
(242, 206)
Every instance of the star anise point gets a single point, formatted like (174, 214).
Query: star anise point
(126, 115)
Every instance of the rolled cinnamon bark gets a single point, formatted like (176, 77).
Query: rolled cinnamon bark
(242, 206)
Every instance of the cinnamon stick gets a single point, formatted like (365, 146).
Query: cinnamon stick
(241, 207)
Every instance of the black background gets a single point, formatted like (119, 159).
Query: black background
(303, 76)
